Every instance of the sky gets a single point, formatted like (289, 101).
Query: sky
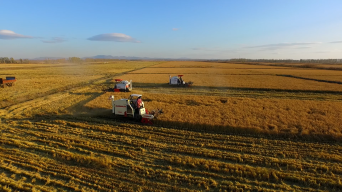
(196, 29)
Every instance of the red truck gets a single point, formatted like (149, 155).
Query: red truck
(9, 81)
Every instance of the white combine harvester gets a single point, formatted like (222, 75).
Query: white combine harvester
(129, 108)
(123, 85)
(178, 81)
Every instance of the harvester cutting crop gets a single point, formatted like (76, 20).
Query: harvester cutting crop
(122, 85)
(133, 107)
(178, 81)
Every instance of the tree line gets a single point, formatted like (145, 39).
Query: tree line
(11, 60)
(52, 61)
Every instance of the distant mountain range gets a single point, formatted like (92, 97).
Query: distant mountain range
(118, 57)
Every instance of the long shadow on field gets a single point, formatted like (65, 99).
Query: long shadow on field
(80, 108)
(105, 116)
(166, 85)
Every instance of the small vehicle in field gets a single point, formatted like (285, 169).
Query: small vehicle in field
(178, 81)
(9, 81)
(123, 85)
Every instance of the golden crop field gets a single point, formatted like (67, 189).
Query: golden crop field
(238, 81)
(196, 64)
(36, 80)
(296, 71)
(264, 115)
(213, 71)
(230, 131)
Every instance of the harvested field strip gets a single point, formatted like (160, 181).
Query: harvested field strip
(70, 155)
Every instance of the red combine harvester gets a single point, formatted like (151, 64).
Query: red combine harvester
(9, 81)
(122, 85)
(134, 108)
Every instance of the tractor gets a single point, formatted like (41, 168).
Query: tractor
(129, 108)
(178, 81)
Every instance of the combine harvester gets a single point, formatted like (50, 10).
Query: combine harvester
(123, 85)
(178, 81)
(9, 81)
(133, 107)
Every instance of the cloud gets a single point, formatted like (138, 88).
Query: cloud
(175, 29)
(199, 49)
(282, 46)
(214, 50)
(7, 34)
(55, 40)
(302, 47)
(336, 42)
(118, 37)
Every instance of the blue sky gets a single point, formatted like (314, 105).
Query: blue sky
(215, 29)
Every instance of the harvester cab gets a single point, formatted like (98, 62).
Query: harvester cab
(122, 85)
(178, 80)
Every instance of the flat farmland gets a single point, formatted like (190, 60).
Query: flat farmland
(196, 64)
(252, 81)
(195, 70)
(239, 128)
(222, 114)
(35, 80)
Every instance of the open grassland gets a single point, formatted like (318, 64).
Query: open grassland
(59, 135)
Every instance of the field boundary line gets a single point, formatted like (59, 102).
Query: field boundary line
(305, 78)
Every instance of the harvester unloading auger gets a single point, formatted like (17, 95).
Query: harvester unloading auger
(134, 107)
(178, 81)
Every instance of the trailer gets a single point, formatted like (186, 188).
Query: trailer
(9, 81)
